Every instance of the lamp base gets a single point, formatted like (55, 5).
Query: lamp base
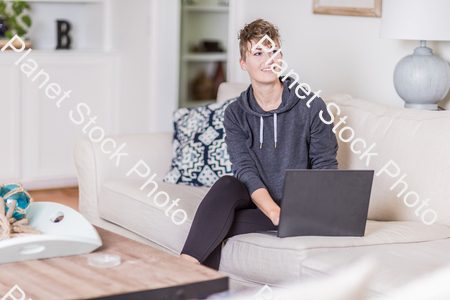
(422, 106)
(422, 79)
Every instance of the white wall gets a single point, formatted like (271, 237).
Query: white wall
(164, 63)
(335, 54)
(146, 35)
(130, 38)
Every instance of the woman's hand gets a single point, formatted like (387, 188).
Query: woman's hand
(274, 216)
(266, 204)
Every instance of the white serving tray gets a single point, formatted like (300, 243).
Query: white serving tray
(73, 235)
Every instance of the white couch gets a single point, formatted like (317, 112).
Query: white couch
(417, 141)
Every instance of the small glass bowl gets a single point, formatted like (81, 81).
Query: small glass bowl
(104, 260)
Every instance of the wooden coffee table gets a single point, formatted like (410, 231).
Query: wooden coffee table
(145, 273)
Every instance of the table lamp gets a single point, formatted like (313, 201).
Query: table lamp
(421, 79)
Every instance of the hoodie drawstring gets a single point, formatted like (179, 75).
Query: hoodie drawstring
(275, 128)
(261, 130)
(261, 126)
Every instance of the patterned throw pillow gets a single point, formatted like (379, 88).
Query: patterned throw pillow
(199, 150)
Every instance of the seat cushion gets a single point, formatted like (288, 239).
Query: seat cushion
(265, 258)
(398, 264)
(123, 203)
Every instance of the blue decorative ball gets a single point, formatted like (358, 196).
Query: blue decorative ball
(20, 195)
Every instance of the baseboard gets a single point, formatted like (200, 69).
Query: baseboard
(49, 183)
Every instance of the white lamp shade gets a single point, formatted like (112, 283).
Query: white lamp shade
(416, 20)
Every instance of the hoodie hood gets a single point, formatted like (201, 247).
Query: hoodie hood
(248, 103)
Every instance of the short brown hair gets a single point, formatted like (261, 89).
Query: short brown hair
(255, 31)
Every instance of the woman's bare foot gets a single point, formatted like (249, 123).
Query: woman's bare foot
(189, 258)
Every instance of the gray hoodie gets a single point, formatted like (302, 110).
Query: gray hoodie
(263, 144)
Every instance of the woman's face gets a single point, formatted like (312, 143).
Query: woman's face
(255, 64)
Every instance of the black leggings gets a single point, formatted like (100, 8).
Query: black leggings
(227, 210)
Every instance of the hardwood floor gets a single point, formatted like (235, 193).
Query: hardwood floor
(67, 196)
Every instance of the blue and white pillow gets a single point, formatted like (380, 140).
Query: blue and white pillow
(199, 150)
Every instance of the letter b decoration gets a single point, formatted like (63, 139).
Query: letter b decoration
(64, 40)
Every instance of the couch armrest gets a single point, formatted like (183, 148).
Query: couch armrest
(94, 167)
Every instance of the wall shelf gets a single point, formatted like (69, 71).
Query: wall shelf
(90, 22)
(66, 1)
(206, 21)
(41, 134)
(205, 57)
(206, 8)
(67, 51)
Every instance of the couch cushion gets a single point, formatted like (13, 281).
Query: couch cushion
(123, 203)
(417, 141)
(397, 263)
(348, 283)
(265, 258)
